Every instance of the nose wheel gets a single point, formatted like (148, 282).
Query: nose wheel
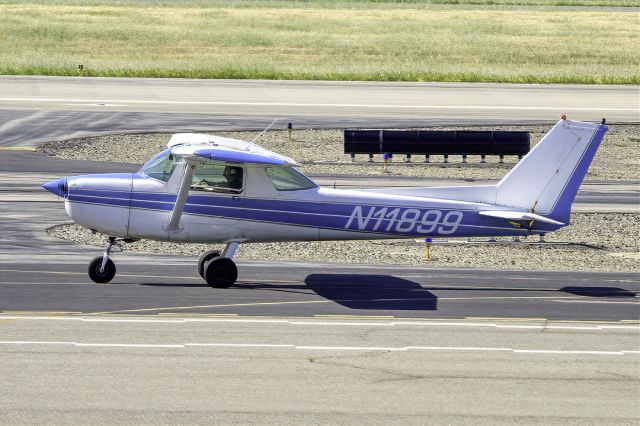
(99, 273)
(101, 268)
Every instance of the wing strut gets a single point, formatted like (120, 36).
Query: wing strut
(181, 199)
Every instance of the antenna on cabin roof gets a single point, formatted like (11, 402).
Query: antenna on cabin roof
(262, 132)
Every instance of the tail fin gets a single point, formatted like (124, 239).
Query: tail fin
(546, 181)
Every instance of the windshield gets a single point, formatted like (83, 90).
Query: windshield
(288, 179)
(161, 166)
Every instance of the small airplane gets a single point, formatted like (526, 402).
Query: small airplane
(210, 189)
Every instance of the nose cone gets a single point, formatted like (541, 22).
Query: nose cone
(57, 187)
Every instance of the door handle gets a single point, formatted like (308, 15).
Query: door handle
(235, 197)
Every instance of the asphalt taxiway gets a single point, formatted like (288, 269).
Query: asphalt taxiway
(32, 262)
(172, 286)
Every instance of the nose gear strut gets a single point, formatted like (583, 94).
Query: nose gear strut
(101, 268)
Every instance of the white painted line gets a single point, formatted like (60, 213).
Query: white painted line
(127, 345)
(384, 324)
(327, 348)
(350, 348)
(324, 322)
(598, 301)
(161, 321)
(563, 327)
(464, 348)
(520, 326)
(95, 105)
(294, 104)
(240, 345)
(555, 352)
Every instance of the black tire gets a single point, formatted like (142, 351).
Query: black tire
(104, 276)
(221, 272)
(206, 257)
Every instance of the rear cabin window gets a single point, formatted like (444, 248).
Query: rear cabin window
(288, 179)
(218, 178)
(160, 167)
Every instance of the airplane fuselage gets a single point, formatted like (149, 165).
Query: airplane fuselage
(137, 206)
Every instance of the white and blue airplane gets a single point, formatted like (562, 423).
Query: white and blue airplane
(210, 189)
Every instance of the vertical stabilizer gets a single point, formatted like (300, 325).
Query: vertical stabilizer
(547, 179)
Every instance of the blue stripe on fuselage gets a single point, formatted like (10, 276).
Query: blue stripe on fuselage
(301, 206)
(330, 215)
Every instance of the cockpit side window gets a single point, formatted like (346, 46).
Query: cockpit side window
(288, 179)
(218, 178)
(161, 166)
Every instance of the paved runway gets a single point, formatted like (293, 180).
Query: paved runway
(40, 109)
(133, 370)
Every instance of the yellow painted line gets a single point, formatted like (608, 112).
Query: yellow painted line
(147, 276)
(477, 287)
(386, 317)
(84, 273)
(18, 148)
(42, 312)
(173, 308)
(509, 297)
(505, 319)
(232, 305)
(193, 314)
(6, 320)
(43, 272)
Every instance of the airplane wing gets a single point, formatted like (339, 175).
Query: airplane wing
(216, 148)
(515, 215)
(218, 153)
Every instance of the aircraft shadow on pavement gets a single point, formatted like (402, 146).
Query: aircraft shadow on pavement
(599, 291)
(384, 292)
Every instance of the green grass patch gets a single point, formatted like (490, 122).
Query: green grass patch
(325, 3)
(352, 40)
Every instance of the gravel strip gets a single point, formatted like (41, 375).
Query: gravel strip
(321, 152)
(611, 244)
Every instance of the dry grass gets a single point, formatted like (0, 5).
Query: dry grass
(410, 42)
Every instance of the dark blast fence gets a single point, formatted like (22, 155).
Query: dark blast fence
(436, 142)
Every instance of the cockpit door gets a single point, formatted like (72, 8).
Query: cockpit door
(215, 206)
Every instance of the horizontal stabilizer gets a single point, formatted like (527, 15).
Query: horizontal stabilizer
(514, 215)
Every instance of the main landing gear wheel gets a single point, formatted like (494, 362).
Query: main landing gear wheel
(221, 272)
(205, 258)
(101, 276)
